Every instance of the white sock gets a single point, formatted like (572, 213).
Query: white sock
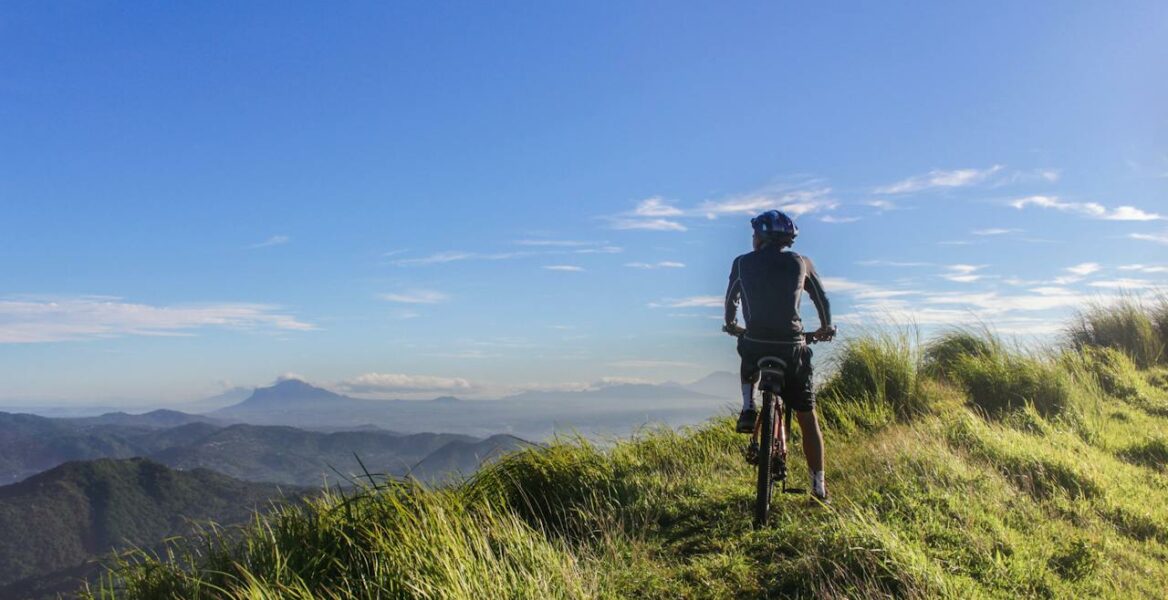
(747, 396)
(818, 486)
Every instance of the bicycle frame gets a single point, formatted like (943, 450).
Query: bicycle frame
(769, 446)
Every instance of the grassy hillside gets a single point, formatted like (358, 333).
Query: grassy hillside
(959, 468)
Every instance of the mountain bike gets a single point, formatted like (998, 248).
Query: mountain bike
(768, 444)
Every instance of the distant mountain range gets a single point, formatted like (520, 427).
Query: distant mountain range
(278, 454)
(608, 410)
(30, 444)
(295, 456)
(335, 427)
(55, 523)
(154, 419)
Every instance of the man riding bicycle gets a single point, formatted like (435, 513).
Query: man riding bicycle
(769, 282)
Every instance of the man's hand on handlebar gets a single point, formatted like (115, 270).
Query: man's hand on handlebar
(825, 333)
(734, 329)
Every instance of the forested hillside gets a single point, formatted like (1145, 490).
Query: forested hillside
(63, 518)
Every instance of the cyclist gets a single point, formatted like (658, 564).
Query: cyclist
(769, 282)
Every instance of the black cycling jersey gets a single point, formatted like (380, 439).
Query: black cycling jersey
(770, 282)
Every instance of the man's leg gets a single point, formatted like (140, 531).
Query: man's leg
(747, 375)
(749, 413)
(813, 450)
(748, 390)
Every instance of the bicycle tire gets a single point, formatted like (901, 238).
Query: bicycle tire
(766, 481)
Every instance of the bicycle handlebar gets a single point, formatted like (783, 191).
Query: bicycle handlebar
(809, 337)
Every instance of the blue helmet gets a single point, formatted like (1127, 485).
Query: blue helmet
(774, 225)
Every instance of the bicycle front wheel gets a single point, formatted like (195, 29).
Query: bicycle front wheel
(766, 478)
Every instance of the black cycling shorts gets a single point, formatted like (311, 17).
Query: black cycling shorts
(796, 390)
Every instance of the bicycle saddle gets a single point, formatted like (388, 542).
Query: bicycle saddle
(772, 363)
(772, 370)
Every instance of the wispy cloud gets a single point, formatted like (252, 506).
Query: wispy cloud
(625, 223)
(1084, 269)
(940, 179)
(835, 219)
(1009, 313)
(566, 268)
(1145, 268)
(416, 297)
(1047, 175)
(88, 317)
(658, 214)
(1159, 238)
(373, 383)
(794, 202)
(1076, 273)
(654, 214)
(1092, 210)
(1041, 308)
(601, 250)
(275, 240)
(1127, 284)
(665, 264)
(650, 214)
(995, 231)
(1040, 298)
(457, 256)
(538, 248)
(657, 207)
(690, 302)
(963, 273)
(881, 205)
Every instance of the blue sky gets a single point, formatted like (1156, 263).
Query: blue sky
(406, 199)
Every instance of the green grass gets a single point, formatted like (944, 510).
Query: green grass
(1139, 331)
(968, 470)
(875, 382)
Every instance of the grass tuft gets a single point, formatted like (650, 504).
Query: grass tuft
(1127, 326)
(944, 355)
(1004, 382)
(875, 382)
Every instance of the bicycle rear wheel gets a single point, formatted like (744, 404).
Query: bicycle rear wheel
(766, 478)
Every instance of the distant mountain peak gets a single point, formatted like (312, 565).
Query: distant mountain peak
(292, 384)
(288, 391)
(446, 400)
